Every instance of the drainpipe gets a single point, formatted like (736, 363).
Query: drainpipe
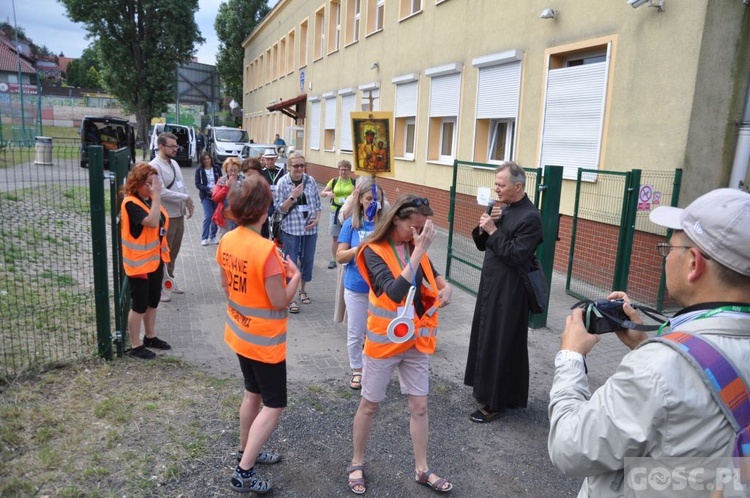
(742, 153)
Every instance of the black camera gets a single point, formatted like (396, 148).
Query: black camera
(603, 315)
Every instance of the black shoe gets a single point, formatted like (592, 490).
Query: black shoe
(142, 353)
(156, 343)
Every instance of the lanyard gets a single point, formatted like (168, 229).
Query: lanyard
(408, 260)
(710, 313)
(274, 177)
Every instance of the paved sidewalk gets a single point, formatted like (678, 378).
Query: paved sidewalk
(194, 322)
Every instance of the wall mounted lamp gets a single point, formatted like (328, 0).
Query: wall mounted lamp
(375, 65)
(657, 4)
(549, 14)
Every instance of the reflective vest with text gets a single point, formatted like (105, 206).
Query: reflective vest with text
(145, 253)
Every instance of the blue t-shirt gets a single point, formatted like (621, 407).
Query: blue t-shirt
(352, 278)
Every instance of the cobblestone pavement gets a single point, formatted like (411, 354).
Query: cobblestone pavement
(505, 458)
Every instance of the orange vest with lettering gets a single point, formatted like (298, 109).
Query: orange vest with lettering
(143, 254)
(381, 310)
(254, 328)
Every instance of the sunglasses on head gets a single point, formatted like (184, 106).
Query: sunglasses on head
(417, 202)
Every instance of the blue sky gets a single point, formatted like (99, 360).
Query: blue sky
(59, 34)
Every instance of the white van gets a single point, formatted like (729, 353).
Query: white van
(186, 154)
(223, 142)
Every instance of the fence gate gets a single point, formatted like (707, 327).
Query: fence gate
(612, 240)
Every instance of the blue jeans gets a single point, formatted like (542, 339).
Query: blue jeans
(209, 227)
(301, 250)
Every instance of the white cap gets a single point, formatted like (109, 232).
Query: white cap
(718, 223)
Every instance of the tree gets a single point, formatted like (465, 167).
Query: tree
(234, 22)
(79, 70)
(140, 44)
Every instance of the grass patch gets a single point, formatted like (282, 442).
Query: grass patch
(92, 429)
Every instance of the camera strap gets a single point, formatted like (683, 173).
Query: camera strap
(625, 324)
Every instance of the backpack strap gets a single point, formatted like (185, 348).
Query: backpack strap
(727, 387)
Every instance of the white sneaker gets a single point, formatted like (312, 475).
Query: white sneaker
(177, 290)
(165, 298)
(214, 240)
(204, 242)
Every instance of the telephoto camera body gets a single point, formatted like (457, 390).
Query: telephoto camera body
(604, 315)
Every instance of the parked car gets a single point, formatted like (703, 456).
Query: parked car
(186, 153)
(112, 133)
(223, 142)
(257, 150)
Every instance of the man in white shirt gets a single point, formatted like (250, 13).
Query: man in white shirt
(174, 198)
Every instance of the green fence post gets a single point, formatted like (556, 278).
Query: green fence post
(627, 230)
(99, 249)
(451, 212)
(550, 190)
(573, 233)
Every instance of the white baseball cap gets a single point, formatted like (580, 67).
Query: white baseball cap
(718, 223)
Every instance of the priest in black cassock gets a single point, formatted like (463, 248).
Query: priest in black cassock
(498, 363)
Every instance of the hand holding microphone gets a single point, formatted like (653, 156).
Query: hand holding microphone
(487, 217)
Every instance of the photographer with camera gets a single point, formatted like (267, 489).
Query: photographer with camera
(657, 404)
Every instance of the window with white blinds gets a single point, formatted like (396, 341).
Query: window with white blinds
(330, 117)
(348, 103)
(444, 95)
(573, 117)
(315, 125)
(406, 99)
(498, 90)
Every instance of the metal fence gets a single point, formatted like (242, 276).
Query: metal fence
(47, 311)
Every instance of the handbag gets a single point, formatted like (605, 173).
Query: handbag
(535, 282)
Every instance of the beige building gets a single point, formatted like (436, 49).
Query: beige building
(598, 85)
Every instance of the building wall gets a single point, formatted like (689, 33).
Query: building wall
(672, 91)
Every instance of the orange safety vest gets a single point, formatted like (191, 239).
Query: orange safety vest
(381, 310)
(144, 254)
(254, 328)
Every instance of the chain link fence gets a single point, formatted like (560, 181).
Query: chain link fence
(47, 311)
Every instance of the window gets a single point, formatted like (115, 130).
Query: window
(370, 97)
(410, 127)
(405, 112)
(282, 57)
(290, 52)
(348, 105)
(303, 44)
(353, 16)
(447, 138)
(261, 71)
(314, 124)
(275, 62)
(409, 8)
(375, 13)
(269, 65)
(445, 90)
(334, 26)
(246, 80)
(502, 133)
(319, 34)
(329, 124)
(498, 90)
(574, 104)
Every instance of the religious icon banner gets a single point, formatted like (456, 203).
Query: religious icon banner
(372, 143)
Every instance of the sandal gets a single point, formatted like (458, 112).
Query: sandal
(356, 481)
(439, 485)
(356, 381)
(304, 297)
(247, 484)
(293, 307)
(484, 415)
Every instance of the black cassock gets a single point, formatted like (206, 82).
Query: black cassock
(498, 363)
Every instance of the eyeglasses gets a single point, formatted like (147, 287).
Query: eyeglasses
(298, 166)
(665, 248)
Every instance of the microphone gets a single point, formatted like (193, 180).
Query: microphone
(490, 205)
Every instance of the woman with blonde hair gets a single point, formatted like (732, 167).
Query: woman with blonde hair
(365, 215)
(231, 168)
(402, 319)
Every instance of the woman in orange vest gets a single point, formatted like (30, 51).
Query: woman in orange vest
(259, 285)
(394, 263)
(144, 224)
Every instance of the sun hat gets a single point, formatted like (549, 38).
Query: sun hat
(269, 153)
(718, 223)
